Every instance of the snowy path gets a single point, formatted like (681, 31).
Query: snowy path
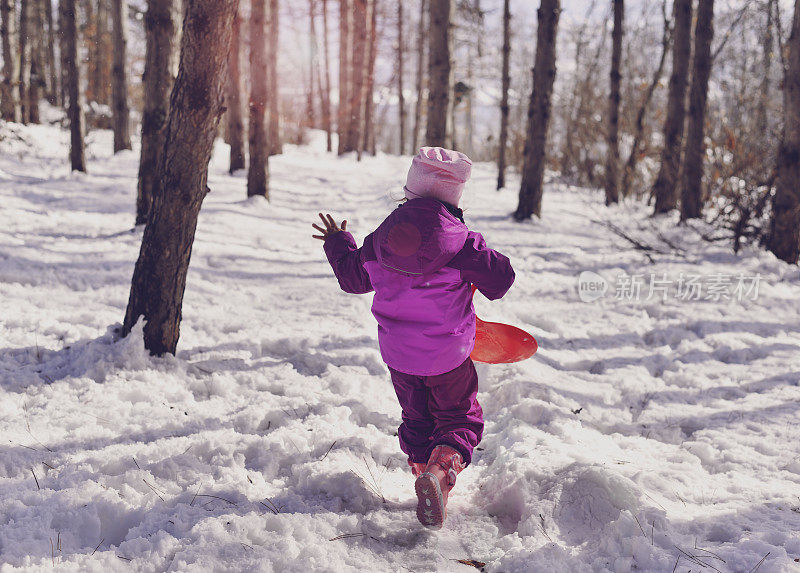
(643, 432)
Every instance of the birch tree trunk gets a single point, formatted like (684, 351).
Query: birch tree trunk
(539, 111)
(258, 171)
(692, 188)
(665, 188)
(506, 83)
(422, 37)
(119, 78)
(612, 139)
(196, 103)
(400, 58)
(233, 99)
(439, 72)
(784, 236)
(72, 72)
(9, 92)
(161, 33)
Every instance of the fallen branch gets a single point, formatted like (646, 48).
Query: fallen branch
(638, 245)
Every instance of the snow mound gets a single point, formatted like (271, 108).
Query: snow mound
(649, 433)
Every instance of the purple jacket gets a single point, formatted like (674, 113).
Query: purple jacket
(420, 262)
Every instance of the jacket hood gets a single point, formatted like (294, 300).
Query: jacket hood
(419, 237)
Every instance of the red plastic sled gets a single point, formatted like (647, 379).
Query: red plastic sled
(497, 343)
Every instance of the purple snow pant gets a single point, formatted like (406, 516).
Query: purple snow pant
(441, 409)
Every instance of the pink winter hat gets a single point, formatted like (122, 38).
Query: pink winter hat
(438, 173)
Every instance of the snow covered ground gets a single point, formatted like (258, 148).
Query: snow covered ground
(653, 432)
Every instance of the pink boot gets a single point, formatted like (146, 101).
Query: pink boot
(434, 484)
(416, 468)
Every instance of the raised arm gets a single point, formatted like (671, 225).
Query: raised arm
(487, 269)
(344, 257)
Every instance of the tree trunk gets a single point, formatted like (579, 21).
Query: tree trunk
(311, 115)
(86, 32)
(50, 54)
(94, 67)
(196, 103)
(474, 50)
(343, 111)
(506, 83)
(9, 96)
(633, 158)
(439, 72)
(72, 69)
(100, 72)
(784, 237)
(355, 122)
(544, 74)
(273, 97)
(665, 187)
(692, 188)
(422, 37)
(36, 82)
(326, 93)
(24, 59)
(62, 55)
(233, 100)
(161, 33)
(369, 88)
(400, 57)
(258, 172)
(767, 41)
(119, 78)
(612, 156)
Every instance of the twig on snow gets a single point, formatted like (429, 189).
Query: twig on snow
(329, 451)
(696, 559)
(351, 536)
(541, 525)
(195, 495)
(153, 489)
(272, 507)
(216, 497)
(754, 569)
(98, 546)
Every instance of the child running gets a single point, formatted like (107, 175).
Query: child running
(421, 262)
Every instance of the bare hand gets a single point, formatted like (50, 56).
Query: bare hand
(331, 227)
